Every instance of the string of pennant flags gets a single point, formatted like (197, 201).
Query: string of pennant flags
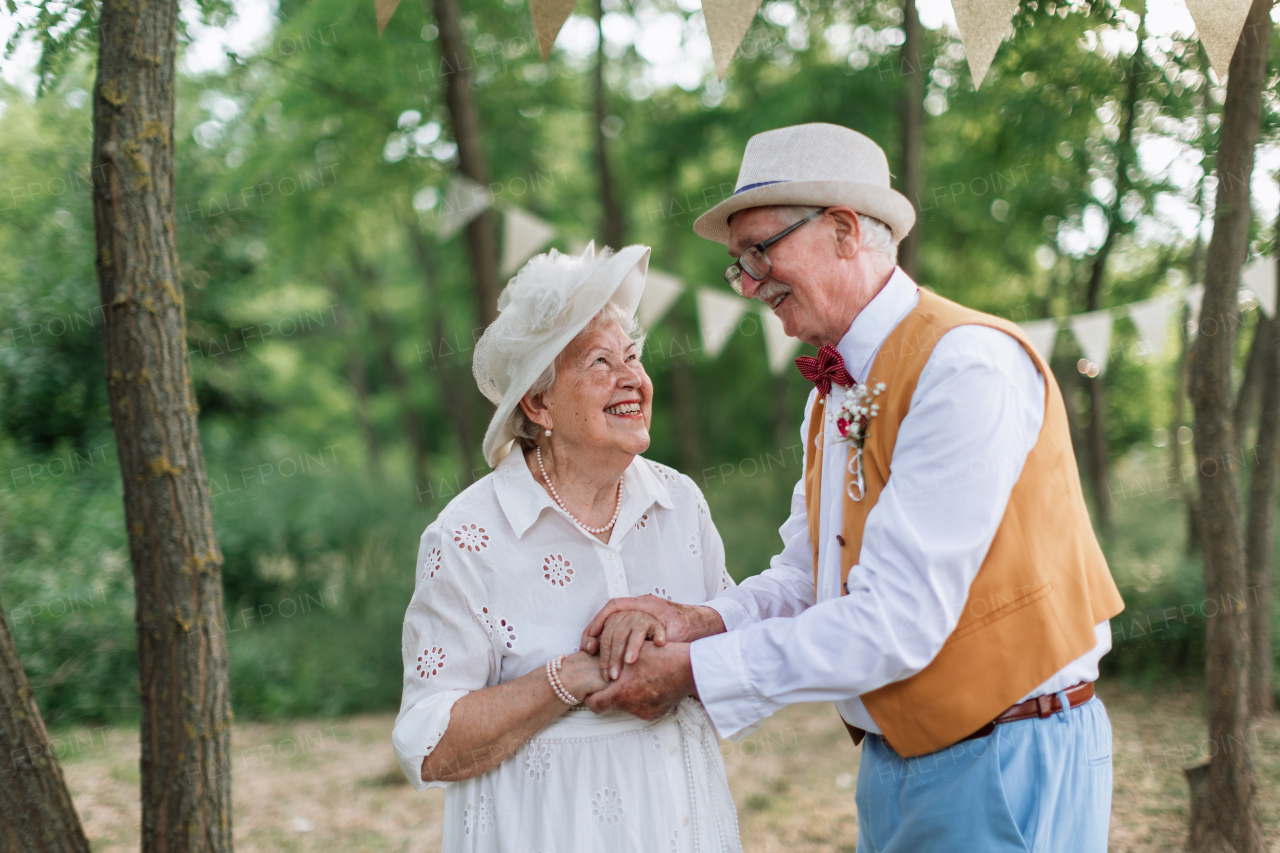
(720, 313)
(1150, 317)
(983, 25)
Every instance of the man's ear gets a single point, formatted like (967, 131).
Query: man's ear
(535, 409)
(848, 231)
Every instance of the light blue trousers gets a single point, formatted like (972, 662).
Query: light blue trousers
(1041, 785)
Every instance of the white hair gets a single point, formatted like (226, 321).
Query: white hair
(876, 236)
(527, 430)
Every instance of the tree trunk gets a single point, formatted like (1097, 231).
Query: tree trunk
(177, 567)
(482, 232)
(610, 212)
(1260, 525)
(912, 110)
(1228, 809)
(384, 335)
(459, 394)
(1190, 501)
(36, 812)
(1248, 397)
(1099, 451)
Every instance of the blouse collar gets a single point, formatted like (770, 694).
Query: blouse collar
(523, 498)
(874, 323)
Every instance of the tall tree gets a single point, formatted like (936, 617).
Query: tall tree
(464, 117)
(1224, 809)
(177, 566)
(611, 213)
(36, 812)
(1099, 451)
(1260, 524)
(912, 111)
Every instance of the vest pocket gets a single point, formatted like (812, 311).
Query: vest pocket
(984, 612)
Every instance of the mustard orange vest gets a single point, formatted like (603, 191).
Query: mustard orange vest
(1043, 586)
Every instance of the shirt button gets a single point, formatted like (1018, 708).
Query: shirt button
(840, 539)
(608, 555)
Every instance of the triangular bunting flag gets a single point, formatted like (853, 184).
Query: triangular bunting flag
(1260, 277)
(523, 234)
(718, 313)
(1093, 331)
(982, 25)
(382, 12)
(780, 348)
(660, 291)
(464, 200)
(727, 22)
(1151, 317)
(1042, 334)
(1219, 23)
(548, 17)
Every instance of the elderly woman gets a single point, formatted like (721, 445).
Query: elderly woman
(515, 566)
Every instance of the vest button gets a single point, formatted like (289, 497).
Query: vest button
(840, 539)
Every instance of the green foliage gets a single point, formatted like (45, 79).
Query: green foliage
(329, 327)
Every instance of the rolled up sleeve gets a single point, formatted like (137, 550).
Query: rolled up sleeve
(446, 650)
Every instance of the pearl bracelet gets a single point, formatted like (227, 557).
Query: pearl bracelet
(553, 676)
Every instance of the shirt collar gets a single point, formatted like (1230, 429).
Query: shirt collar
(522, 498)
(873, 324)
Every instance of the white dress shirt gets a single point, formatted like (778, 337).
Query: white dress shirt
(975, 415)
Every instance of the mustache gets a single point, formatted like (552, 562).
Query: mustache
(771, 290)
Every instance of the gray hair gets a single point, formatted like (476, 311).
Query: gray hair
(876, 236)
(525, 429)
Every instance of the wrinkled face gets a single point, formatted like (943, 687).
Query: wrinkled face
(803, 287)
(602, 398)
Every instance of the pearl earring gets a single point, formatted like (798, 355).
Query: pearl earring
(548, 432)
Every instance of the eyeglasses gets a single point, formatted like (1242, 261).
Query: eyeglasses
(754, 262)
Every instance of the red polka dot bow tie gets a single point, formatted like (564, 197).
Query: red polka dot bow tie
(827, 368)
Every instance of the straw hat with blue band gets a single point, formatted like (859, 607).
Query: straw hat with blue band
(819, 165)
(550, 300)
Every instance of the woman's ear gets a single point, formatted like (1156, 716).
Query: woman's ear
(535, 409)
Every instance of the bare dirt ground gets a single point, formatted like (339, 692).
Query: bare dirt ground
(335, 786)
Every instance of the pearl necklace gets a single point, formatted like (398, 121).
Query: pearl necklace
(617, 507)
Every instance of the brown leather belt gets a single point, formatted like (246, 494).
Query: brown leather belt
(1040, 706)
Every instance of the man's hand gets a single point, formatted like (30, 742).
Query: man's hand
(681, 623)
(650, 687)
(623, 636)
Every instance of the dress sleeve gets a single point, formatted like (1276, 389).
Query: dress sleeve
(446, 649)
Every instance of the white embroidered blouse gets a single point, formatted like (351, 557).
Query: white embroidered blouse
(506, 580)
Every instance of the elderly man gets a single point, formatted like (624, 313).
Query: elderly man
(940, 580)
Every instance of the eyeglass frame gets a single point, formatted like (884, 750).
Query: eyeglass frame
(735, 281)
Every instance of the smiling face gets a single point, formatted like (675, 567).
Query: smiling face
(818, 279)
(602, 399)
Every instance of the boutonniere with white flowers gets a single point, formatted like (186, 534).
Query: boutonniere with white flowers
(853, 419)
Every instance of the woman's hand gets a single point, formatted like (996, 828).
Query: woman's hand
(581, 675)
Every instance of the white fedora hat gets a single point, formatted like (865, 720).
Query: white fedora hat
(821, 165)
(551, 299)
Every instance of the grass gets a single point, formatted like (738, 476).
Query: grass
(334, 785)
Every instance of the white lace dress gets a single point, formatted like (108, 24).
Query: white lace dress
(505, 581)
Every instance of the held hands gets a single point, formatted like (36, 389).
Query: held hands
(620, 629)
(651, 686)
(643, 648)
